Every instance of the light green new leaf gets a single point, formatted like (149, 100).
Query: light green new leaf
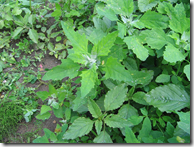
(80, 127)
(2, 65)
(168, 98)
(88, 81)
(130, 136)
(79, 42)
(98, 126)
(117, 121)
(163, 78)
(124, 7)
(145, 5)
(107, 12)
(45, 109)
(2, 24)
(33, 35)
(116, 71)
(94, 108)
(173, 54)
(156, 38)
(57, 12)
(42, 94)
(96, 36)
(115, 97)
(16, 11)
(146, 129)
(153, 19)
(104, 45)
(178, 20)
(79, 58)
(126, 111)
(134, 44)
(122, 30)
(184, 122)
(43, 116)
(17, 31)
(187, 71)
(67, 69)
(42, 139)
(103, 137)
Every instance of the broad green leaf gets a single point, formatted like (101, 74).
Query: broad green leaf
(16, 11)
(122, 30)
(178, 20)
(52, 89)
(145, 5)
(104, 45)
(104, 11)
(118, 52)
(67, 69)
(135, 120)
(130, 136)
(99, 24)
(88, 81)
(184, 122)
(94, 108)
(79, 42)
(124, 7)
(156, 38)
(2, 24)
(170, 129)
(187, 71)
(96, 36)
(146, 129)
(2, 65)
(163, 78)
(144, 111)
(103, 137)
(59, 113)
(55, 105)
(117, 121)
(138, 97)
(116, 71)
(80, 127)
(115, 97)
(126, 111)
(130, 64)
(42, 139)
(98, 126)
(33, 35)
(67, 113)
(44, 109)
(153, 19)
(134, 44)
(168, 98)
(42, 94)
(17, 31)
(173, 54)
(57, 12)
(78, 58)
(43, 116)
(141, 77)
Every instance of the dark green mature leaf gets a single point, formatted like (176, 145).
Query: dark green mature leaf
(138, 97)
(94, 108)
(33, 35)
(116, 71)
(124, 7)
(96, 36)
(115, 97)
(173, 54)
(17, 31)
(88, 81)
(103, 137)
(153, 19)
(184, 122)
(156, 38)
(98, 126)
(122, 30)
(67, 69)
(146, 129)
(145, 5)
(104, 45)
(168, 98)
(79, 42)
(178, 20)
(117, 121)
(134, 44)
(163, 78)
(130, 136)
(80, 127)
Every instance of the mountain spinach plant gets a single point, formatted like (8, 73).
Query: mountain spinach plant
(134, 70)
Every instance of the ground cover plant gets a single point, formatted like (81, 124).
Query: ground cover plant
(124, 75)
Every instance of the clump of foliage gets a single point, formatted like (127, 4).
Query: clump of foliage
(11, 112)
